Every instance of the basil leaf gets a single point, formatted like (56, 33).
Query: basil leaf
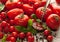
(33, 16)
(30, 22)
(4, 38)
(21, 29)
(2, 7)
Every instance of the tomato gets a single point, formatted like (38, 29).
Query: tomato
(40, 13)
(46, 32)
(28, 9)
(10, 4)
(21, 35)
(50, 38)
(14, 12)
(28, 34)
(11, 29)
(14, 34)
(30, 38)
(21, 21)
(58, 1)
(55, 9)
(3, 24)
(13, 39)
(53, 21)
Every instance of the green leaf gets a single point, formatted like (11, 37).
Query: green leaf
(2, 7)
(30, 22)
(34, 16)
(21, 29)
(4, 38)
(38, 20)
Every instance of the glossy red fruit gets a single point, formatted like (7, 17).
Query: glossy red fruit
(1, 35)
(3, 24)
(46, 32)
(22, 21)
(14, 12)
(30, 39)
(58, 1)
(3, 1)
(10, 4)
(14, 34)
(40, 13)
(8, 37)
(3, 15)
(11, 22)
(28, 34)
(22, 35)
(53, 21)
(50, 38)
(13, 39)
(55, 9)
(11, 29)
(28, 9)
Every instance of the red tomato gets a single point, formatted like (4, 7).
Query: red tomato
(46, 32)
(30, 38)
(58, 1)
(13, 39)
(40, 13)
(14, 34)
(22, 21)
(55, 9)
(14, 12)
(28, 34)
(21, 35)
(53, 21)
(11, 29)
(3, 1)
(10, 4)
(50, 38)
(28, 9)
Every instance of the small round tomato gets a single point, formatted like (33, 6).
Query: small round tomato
(3, 24)
(21, 35)
(50, 38)
(14, 34)
(14, 12)
(28, 34)
(46, 32)
(13, 39)
(40, 13)
(11, 29)
(53, 21)
(30, 38)
(21, 21)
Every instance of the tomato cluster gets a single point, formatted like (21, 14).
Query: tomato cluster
(20, 19)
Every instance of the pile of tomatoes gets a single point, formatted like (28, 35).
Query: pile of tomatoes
(28, 14)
